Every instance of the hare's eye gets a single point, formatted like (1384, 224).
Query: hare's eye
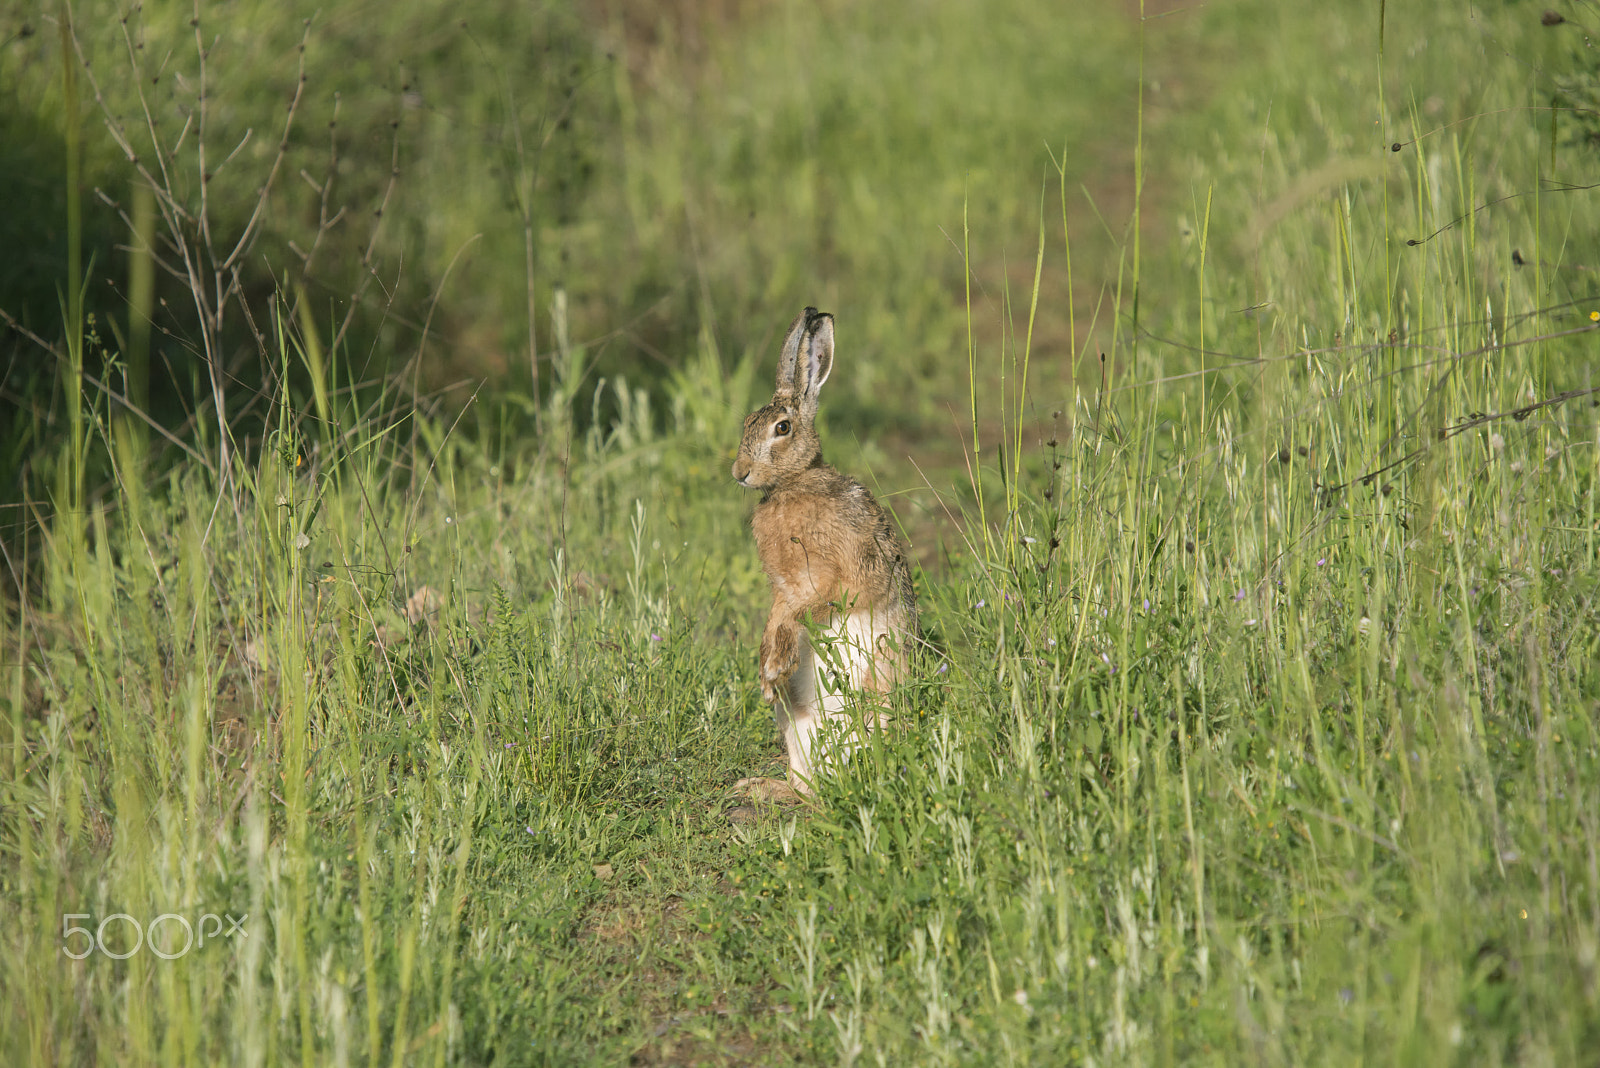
(781, 427)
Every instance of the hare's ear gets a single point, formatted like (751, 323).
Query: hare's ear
(815, 360)
(789, 359)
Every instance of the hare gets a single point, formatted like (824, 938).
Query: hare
(833, 558)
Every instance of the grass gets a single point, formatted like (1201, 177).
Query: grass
(1259, 723)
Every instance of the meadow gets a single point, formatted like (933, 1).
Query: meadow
(1230, 369)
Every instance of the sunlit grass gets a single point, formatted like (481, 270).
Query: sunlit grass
(1258, 726)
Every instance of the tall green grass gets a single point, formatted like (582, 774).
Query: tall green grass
(832, 154)
(1258, 723)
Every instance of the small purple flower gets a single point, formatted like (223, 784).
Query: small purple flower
(980, 602)
(1147, 604)
(1324, 560)
(655, 637)
(944, 665)
(1239, 596)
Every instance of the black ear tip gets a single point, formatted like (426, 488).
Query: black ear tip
(815, 318)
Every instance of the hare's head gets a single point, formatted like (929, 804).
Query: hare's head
(780, 440)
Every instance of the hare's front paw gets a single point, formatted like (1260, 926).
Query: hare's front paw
(774, 674)
(780, 652)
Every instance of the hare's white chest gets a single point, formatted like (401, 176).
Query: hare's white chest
(848, 643)
(838, 662)
(876, 633)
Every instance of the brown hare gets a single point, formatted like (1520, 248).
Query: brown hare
(834, 559)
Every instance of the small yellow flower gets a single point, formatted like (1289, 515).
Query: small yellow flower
(1594, 317)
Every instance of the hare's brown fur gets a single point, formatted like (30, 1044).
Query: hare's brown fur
(830, 551)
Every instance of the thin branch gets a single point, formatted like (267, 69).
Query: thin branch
(1446, 433)
(105, 388)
